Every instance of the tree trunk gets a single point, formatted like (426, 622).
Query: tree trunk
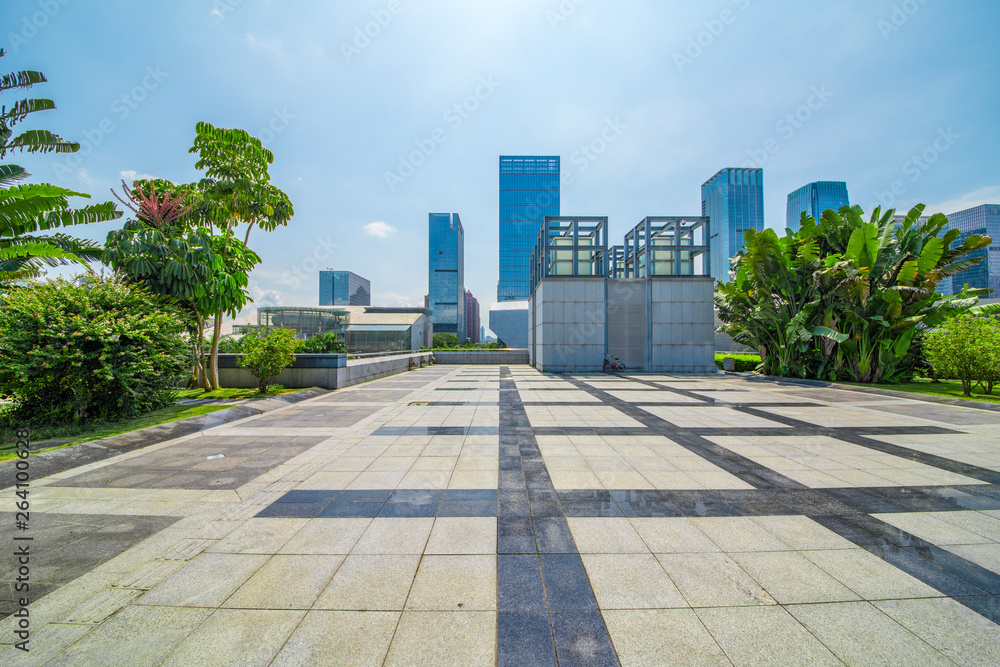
(213, 368)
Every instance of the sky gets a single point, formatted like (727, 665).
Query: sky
(381, 112)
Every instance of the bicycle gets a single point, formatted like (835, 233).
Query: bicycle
(612, 363)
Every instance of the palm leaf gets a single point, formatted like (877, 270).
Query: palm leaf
(11, 174)
(40, 141)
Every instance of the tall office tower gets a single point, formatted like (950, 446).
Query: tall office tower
(984, 220)
(813, 199)
(733, 200)
(529, 191)
(344, 288)
(472, 322)
(446, 274)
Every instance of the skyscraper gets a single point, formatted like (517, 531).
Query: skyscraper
(984, 220)
(813, 199)
(446, 273)
(472, 323)
(344, 288)
(529, 191)
(733, 200)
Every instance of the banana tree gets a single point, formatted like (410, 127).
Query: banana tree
(28, 209)
(843, 297)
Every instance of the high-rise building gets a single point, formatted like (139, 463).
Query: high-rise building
(813, 199)
(472, 322)
(733, 200)
(983, 220)
(446, 273)
(344, 288)
(529, 191)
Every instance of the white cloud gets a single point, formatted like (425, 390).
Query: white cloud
(216, 12)
(988, 195)
(130, 175)
(262, 297)
(380, 229)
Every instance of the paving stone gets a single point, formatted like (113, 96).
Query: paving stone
(451, 583)
(348, 638)
(764, 636)
(662, 637)
(442, 638)
(858, 633)
(205, 581)
(236, 636)
(126, 639)
(370, 581)
(286, 582)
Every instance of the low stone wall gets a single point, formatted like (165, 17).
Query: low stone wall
(504, 356)
(317, 372)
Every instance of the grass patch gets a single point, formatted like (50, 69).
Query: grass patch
(98, 430)
(945, 388)
(234, 394)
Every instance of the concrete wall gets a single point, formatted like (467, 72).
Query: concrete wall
(683, 325)
(511, 325)
(568, 315)
(356, 371)
(661, 325)
(506, 357)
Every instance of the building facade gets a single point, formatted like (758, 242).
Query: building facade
(733, 200)
(446, 274)
(472, 320)
(983, 220)
(647, 302)
(529, 191)
(344, 288)
(813, 199)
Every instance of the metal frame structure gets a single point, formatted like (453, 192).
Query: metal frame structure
(665, 246)
(570, 246)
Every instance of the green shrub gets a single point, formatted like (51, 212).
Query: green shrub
(966, 348)
(72, 352)
(324, 343)
(266, 356)
(444, 341)
(745, 363)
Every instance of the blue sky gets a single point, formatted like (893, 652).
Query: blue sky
(643, 99)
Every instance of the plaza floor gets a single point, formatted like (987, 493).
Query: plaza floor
(481, 515)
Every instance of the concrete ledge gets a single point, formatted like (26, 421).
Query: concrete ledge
(354, 372)
(503, 356)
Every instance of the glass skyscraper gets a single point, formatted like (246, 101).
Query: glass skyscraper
(733, 200)
(446, 274)
(344, 288)
(984, 220)
(813, 199)
(529, 191)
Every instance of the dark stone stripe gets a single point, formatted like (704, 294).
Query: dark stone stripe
(540, 575)
(745, 469)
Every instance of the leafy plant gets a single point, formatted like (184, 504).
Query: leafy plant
(966, 348)
(236, 189)
(445, 341)
(324, 343)
(27, 209)
(842, 298)
(91, 349)
(266, 356)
